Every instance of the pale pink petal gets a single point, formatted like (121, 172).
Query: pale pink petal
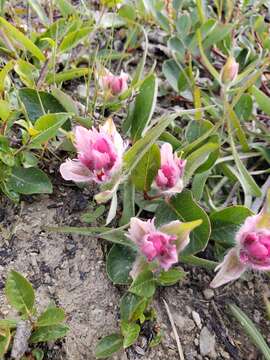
(169, 258)
(166, 153)
(109, 129)
(138, 229)
(250, 225)
(82, 139)
(75, 171)
(174, 190)
(230, 269)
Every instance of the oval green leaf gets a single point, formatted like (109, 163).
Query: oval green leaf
(119, 264)
(184, 208)
(30, 181)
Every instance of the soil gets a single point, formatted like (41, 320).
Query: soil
(70, 270)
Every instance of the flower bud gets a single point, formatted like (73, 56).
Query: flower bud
(169, 178)
(229, 71)
(111, 84)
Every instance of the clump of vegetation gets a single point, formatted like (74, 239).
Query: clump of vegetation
(179, 178)
(31, 327)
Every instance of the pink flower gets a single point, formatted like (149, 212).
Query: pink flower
(99, 155)
(112, 84)
(169, 178)
(252, 250)
(161, 244)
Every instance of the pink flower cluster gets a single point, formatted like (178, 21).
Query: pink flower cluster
(99, 155)
(100, 158)
(252, 250)
(161, 245)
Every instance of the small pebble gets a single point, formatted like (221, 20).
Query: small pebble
(197, 319)
(207, 343)
(208, 294)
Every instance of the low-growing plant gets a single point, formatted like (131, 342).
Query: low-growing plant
(174, 180)
(31, 327)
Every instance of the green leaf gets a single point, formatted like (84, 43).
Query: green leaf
(197, 158)
(219, 32)
(198, 184)
(128, 202)
(72, 39)
(65, 8)
(5, 338)
(205, 60)
(128, 12)
(144, 106)
(232, 117)
(144, 285)
(38, 354)
(30, 181)
(183, 24)
(195, 129)
(8, 323)
(171, 71)
(20, 293)
(52, 316)
(262, 100)
(49, 333)
(137, 151)
(108, 346)
(39, 10)
(243, 108)
(4, 110)
(130, 331)
(132, 307)
(226, 222)
(248, 183)
(47, 125)
(119, 264)
(38, 103)
(27, 72)
(65, 100)
(66, 75)
(251, 330)
(184, 208)
(4, 72)
(90, 217)
(112, 235)
(170, 277)
(146, 170)
(22, 39)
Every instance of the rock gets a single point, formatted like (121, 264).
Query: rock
(197, 319)
(82, 91)
(184, 323)
(207, 343)
(208, 294)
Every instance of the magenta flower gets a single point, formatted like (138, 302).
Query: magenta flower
(99, 155)
(252, 250)
(161, 244)
(112, 84)
(169, 178)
